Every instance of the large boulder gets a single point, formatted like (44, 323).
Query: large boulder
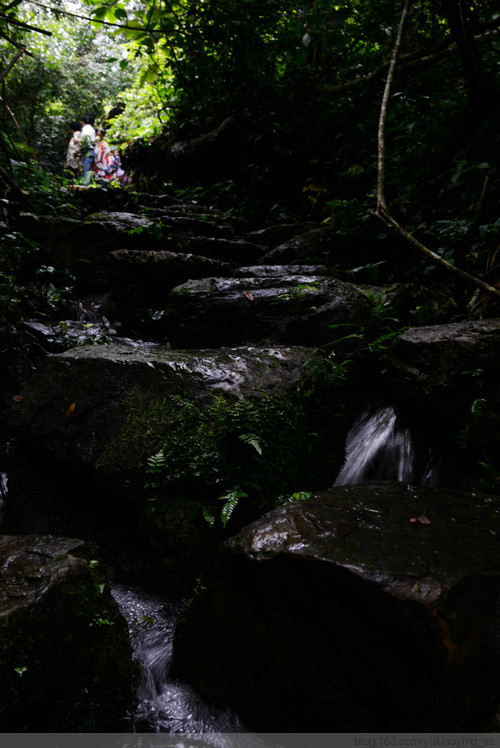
(83, 246)
(284, 308)
(65, 657)
(232, 250)
(365, 608)
(159, 437)
(311, 246)
(444, 381)
(21, 351)
(67, 241)
(78, 402)
(143, 279)
(274, 236)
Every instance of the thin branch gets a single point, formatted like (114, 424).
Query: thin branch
(381, 202)
(16, 189)
(9, 39)
(382, 211)
(23, 25)
(91, 20)
(8, 149)
(391, 223)
(124, 26)
(9, 110)
(425, 58)
(11, 64)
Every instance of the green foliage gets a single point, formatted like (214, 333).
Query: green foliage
(323, 367)
(15, 253)
(301, 292)
(384, 327)
(141, 116)
(246, 453)
(54, 291)
(473, 391)
(10, 303)
(73, 71)
(230, 499)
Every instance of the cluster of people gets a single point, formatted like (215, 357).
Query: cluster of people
(89, 156)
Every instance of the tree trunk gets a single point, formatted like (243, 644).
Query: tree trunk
(458, 13)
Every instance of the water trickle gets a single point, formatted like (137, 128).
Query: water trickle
(378, 448)
(164, 705)
(3, 502)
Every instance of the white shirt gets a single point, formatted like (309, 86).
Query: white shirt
(89, 132)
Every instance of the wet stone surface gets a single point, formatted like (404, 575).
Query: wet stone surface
(369, 607)
(75, 404)
(65, 656)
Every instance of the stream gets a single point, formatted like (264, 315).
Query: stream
(164, 705)
(377, 447)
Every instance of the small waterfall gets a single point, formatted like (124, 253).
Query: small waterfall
(164, 706)
(377, 448)
(4, 528)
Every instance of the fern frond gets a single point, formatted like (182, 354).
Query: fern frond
(252, 440)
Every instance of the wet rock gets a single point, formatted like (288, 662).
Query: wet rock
(193, 225)
(94, 419)
(81, 247)
(121, 220)
(371, 607)
(287, 309)
(92, 199)
(226, 250)
(312, 246)
(432, 355)
(143, 279)
(279, 271)
(273, 236)
(441, 374)
(77, 403)
(21, 349)
(161, 205)
(65, 656)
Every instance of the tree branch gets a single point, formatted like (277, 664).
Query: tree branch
(16, 189)
(445, 46)
(9, 110)
(91, 20)
(11, 64)
(23, 25)
(391, 223)
(382, 211)
(381, 202)
(15, 44)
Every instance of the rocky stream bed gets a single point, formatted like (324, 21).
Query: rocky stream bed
(184, 366)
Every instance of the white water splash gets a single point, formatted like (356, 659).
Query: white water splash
(376, 448)
(164, 705)
(3, 487)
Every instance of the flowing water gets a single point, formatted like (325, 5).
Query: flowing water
(378, 448)
(164, 705)
(3, 497)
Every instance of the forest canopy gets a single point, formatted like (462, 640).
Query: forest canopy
(300, 90)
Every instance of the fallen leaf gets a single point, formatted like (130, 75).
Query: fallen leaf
(18, 398)
(249, 295)
(70, 410)
(422, 520)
